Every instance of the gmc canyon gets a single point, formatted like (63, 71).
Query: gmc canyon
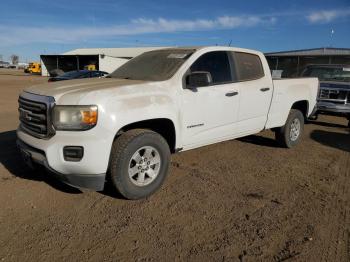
(123, 128)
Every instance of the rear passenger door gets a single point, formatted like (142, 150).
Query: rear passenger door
(255, 92)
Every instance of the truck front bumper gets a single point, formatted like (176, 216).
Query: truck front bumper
(328, 107)
(33, 155)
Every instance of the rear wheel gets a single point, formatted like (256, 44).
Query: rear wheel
(139, 163)
(290, 134)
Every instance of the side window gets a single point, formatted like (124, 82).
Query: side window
(95, 74)
(217, 64)
(85, 75)
(248, 66)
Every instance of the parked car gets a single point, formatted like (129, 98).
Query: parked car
(158, 103)
(56, 72)
(78, 75)
(5, 64)
(334, 95)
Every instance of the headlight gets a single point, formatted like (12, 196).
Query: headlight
(74, 117)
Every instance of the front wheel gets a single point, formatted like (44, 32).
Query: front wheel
(290, 134)
(139, 163)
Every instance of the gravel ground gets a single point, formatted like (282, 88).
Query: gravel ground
(241, 200)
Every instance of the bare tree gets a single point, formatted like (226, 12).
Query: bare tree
(14, 59)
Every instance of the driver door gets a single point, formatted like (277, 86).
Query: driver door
(209, 113)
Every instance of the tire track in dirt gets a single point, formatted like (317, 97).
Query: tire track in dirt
(348, 244)
(337, 216)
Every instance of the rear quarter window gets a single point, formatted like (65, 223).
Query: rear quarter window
(248, 66)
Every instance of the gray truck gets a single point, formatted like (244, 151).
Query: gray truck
(334, 94)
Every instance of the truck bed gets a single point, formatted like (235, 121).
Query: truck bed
(286, 91)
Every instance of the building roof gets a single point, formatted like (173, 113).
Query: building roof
(326, 51)
(114, 52)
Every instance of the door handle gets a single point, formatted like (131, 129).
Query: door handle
(234, 93)
(264, 89)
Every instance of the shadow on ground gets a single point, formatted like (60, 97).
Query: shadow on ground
(332, 139)
(259, 140)
(321, 123)
(11, 159)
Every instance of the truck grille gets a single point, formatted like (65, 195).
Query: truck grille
(34, 115)
(335, 95)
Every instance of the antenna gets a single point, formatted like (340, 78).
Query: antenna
(332, 33)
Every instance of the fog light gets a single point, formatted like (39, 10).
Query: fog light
(73, 153)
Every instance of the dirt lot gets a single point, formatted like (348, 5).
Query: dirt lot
(242, 200)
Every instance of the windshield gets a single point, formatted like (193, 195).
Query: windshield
(329, 73)
(156, 65)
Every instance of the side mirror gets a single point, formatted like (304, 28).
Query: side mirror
(198, 79)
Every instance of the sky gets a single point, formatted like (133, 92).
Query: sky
(35, 27)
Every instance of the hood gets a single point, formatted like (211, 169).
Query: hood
(335, 84)
(79, 87)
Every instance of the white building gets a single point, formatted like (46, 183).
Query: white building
(105, 59)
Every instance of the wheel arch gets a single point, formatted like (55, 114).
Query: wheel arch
(163, 126)
(303, 106)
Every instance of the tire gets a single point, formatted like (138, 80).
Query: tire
(290, 134)
(131, 173)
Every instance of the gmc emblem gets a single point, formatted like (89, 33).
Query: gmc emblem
(24, 114)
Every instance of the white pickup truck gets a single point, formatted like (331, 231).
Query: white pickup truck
(123, 128)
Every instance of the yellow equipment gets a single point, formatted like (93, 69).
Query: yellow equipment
(90, 67)
(33, 68)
